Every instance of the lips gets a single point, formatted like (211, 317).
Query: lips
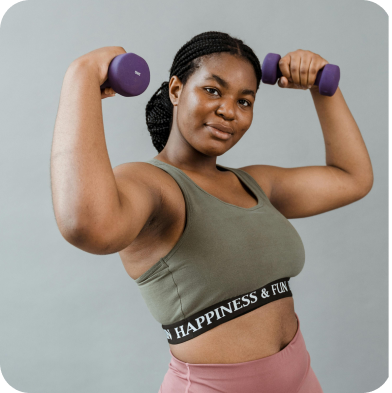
(223, 135)
(221, 127)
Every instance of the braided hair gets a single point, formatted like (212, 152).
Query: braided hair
(159, 109)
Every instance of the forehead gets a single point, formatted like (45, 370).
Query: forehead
(233, 69)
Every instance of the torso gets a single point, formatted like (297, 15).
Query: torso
(254, 335)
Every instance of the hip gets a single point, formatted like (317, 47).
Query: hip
(287, 371)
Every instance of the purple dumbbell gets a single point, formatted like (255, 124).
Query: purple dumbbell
(327, 78)
(128, 75)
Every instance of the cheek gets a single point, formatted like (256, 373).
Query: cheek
(192, 113)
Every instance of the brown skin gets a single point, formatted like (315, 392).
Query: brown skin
(190, 145)
(138, 210)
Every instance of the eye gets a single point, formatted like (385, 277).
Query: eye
(211, 88)
(249, 104)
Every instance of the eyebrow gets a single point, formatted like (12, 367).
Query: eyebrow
(226, 85)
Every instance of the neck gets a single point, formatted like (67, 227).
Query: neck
(179, 153)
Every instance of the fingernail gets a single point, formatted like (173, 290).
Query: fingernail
(309, 86)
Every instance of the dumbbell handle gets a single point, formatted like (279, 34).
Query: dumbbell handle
(105, 84)
(316, 82)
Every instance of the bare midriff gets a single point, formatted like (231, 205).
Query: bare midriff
(255, 335)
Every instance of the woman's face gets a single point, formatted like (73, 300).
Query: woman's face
(221, 91)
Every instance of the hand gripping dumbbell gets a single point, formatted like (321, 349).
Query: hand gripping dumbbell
(128, 75)
(327, 78)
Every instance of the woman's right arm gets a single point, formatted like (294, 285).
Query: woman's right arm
(95, 210)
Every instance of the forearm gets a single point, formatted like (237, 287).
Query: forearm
(345, 147)
(82, 179)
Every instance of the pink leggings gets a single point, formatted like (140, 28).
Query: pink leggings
(287, 371)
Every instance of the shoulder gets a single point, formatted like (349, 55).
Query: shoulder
(151, 178)
(263, 175)
(132, 175)
(139, 166)
(139, 171)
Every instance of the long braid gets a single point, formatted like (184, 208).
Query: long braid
(159, 109)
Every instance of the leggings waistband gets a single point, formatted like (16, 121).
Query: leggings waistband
(287, 371)
(269, 362)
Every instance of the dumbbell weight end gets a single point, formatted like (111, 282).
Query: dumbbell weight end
(128, 75)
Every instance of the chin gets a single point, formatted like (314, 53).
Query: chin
(209, 146)
(212, 151)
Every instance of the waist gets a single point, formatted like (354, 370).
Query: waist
(224, 311)
(258, 334)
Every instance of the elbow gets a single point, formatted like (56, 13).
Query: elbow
(67, 228)
(86, 240)
(369, 184)
(366, 187)
(88, 237)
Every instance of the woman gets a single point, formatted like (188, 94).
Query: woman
(224, 246)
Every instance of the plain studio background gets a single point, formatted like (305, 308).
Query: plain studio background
(75, 322)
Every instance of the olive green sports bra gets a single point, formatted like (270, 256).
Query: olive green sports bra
(228, 261)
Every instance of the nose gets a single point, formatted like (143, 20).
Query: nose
(226, 109)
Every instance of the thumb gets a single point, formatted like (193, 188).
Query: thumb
(282, 82)
(107, 92)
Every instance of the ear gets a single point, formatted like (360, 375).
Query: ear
(175, 89)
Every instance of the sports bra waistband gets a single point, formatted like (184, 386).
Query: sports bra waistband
(226, 310)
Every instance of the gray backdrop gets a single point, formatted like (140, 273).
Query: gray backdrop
(69, 319)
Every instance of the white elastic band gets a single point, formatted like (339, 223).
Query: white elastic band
(188, 376)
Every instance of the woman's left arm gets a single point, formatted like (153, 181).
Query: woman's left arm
(347, 175)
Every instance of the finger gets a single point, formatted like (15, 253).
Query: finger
(104, 95)
(109, 91)
(294, 69)
(313, 71)
(304, 71)
(314, 68)
(284, 83)
(284, 66)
